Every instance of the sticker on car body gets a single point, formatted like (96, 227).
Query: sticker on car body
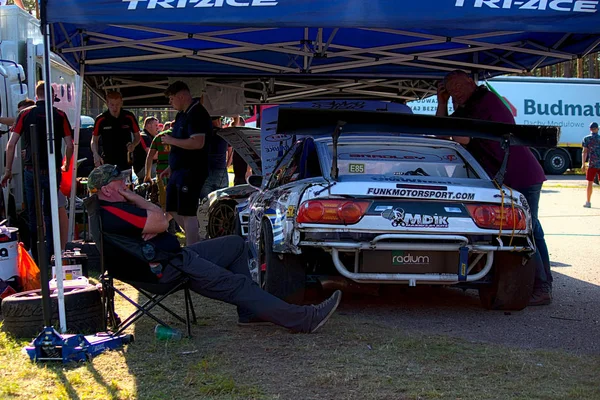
(291, 212)
(401, 218)
(421, 194)
(356, 168)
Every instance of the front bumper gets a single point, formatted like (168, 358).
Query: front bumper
(416, 242)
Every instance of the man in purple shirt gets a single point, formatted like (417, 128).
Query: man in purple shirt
(523, 172)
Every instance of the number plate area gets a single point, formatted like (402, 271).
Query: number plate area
(408, 261)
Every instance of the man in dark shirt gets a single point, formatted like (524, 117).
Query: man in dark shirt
(218, 177)
(240, 167)
(36, 115)
(188, 158)
(115, 126)
(141, 150)
(523, 173)
(217, 268)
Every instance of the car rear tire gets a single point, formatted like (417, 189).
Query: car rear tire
(556, 162)
(23, 315)
(285, 275)
(512, 283)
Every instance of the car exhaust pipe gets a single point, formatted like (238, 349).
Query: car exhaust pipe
(331, 283)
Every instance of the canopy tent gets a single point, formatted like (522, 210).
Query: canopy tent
(285, 50)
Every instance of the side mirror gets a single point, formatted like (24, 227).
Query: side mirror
(255, 181)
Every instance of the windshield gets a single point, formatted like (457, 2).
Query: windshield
(394, 160)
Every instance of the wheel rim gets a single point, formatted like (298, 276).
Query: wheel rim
(221, 221)
(557, 162)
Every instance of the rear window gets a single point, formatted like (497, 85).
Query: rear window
(371, 159)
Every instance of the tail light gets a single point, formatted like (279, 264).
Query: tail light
(494, 217)
(332, 211)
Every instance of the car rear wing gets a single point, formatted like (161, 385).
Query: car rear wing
(315, 122)
(246, 142)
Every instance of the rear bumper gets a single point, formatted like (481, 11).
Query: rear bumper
(449, 243)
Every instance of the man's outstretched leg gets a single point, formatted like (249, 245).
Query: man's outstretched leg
(209, 277)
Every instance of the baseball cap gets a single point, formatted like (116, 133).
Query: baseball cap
(593, 125)
(103, 175)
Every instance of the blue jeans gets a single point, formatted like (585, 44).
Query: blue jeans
(543, 274)
(46, 208)
(218, 269)
(217, 179)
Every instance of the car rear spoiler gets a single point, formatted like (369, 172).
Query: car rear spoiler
(315, 122)
(246, 142)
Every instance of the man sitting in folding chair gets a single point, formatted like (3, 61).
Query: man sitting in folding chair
(216, 268)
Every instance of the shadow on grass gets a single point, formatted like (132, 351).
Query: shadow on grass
(71, 392)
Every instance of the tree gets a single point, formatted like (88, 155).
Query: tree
(29, 5)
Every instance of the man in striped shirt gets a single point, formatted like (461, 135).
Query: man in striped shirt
(162, 162)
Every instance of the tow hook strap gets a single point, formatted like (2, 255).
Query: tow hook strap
(463, 262)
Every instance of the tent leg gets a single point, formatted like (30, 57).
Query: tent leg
(52, 169)
(71, 232)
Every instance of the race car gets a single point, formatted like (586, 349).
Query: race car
(220, 214)
(386, 203)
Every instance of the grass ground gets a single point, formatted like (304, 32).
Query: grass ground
(346, 360)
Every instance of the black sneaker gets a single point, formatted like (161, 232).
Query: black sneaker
(325, 310)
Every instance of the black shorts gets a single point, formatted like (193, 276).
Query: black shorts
(183, 192)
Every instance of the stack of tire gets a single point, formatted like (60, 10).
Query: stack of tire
(23, 316)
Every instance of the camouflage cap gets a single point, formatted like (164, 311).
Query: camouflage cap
(103, 175)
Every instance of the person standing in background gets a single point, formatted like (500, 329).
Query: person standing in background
(591, 148)
(115, 126)
(217, 161)
(63, 218)
(141, 150)
(240, 167)
(161, 152)
(36, 115)
(188, 158)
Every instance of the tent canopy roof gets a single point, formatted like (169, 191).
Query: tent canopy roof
(283, 50)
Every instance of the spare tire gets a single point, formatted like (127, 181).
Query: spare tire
(23, 315)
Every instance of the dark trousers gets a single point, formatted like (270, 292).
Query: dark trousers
(543, 274)
(239, 169)
(218, 269)
(30, 202)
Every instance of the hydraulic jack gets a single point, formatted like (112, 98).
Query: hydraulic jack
(52, 346)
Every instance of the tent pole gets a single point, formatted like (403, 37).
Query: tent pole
(52, 169)
(79, 100)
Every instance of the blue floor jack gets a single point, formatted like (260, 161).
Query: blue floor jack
(52, 346)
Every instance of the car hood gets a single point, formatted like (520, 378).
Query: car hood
(246, 142)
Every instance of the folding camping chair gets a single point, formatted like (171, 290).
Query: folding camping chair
(154, 292)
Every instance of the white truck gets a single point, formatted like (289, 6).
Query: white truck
(569, 103)
(21, 50)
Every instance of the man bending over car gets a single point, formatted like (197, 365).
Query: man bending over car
(523, 172)
(217, 268)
